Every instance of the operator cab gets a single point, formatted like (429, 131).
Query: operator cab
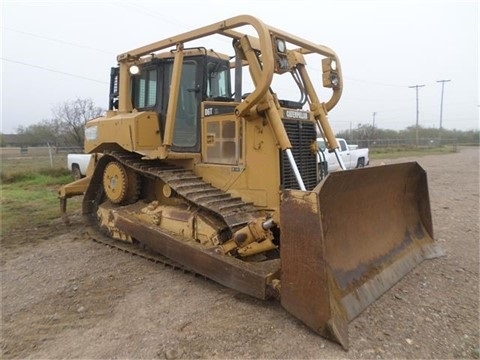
(205, 76)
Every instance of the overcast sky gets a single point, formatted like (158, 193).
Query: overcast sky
(56, 51)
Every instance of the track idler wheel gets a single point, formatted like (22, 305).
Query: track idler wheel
(121, 185)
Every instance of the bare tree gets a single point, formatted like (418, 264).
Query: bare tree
(70, 118)
(66, 128)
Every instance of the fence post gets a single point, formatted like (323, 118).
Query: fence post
(50, 154)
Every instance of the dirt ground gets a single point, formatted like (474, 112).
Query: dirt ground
(65, 296)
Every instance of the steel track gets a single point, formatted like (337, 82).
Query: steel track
(231, 211)
(137, 250)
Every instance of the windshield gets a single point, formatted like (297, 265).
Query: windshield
(321, 144)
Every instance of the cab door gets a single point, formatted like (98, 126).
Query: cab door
(186, 131)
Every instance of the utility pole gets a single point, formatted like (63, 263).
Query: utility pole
(441, 112)
(373, 124)
(416, 129)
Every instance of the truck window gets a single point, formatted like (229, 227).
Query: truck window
(343, 145)
(321, 144)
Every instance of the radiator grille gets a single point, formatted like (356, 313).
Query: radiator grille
(301, 135)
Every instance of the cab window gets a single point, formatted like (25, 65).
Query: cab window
(218, 80)
(145, 89)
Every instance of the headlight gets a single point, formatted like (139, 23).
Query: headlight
(330, 79)
(281, 46)
(333, 65)
(334, 79)
(134, 69)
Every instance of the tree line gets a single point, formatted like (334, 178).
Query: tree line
(367, 132)
(66, 128)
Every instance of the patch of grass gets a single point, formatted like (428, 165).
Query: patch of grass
(31, 206)
(21, 164)
(43, 176)
(29, 197)
(393, 153)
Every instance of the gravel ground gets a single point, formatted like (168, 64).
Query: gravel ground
(65, 296)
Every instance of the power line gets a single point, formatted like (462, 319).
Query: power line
(156, 15)
(152, 13)
(57, 40)
(55, 71)
(373, 82)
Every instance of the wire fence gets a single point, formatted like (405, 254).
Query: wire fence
(29, 151)
(374, 144)
(362, 143)
(404, 143)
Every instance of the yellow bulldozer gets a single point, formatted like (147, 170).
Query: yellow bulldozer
(226, 182)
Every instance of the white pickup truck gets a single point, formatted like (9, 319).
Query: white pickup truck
(77, 164)
(352, 156)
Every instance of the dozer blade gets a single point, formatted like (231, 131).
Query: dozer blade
(349, 240)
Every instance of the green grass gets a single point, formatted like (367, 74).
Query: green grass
(393, 153)
(29, 194)
(43, 176)
(21, 164)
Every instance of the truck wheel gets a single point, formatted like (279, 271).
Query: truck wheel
(77, 175)
(361, 163)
